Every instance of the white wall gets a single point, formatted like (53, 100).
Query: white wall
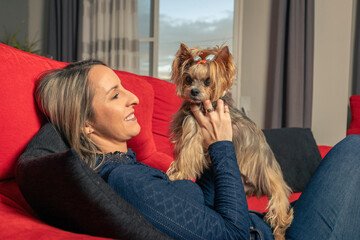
(332, 55)
(333, 21)
(256, 29)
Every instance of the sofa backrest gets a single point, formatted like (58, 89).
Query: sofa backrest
(20, 117)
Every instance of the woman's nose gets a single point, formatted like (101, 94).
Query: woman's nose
(133, 99)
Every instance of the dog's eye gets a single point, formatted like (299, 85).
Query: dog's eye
(189, 80)
(207, 82)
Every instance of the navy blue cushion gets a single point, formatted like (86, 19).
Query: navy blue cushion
(67, 194)
(297, 153)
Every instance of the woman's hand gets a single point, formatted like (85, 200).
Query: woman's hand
(215, 124)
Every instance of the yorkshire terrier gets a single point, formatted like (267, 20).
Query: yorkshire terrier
(201, 74)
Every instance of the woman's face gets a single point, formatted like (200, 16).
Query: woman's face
(114, 121)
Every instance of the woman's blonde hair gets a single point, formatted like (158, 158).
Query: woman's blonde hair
(65, 96)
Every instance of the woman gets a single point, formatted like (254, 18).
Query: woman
(89, 106)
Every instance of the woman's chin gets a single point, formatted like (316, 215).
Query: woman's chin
(137, 131)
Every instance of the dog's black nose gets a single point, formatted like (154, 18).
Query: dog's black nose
(195, 92)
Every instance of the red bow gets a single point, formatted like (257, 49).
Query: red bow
(201, 61)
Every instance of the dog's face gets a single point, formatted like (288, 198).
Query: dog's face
(201, 74)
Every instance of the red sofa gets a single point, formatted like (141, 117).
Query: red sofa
(20, 120)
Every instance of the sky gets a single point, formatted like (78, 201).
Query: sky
(196, 10)
(204, 23)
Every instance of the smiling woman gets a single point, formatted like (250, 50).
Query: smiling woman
(88, 104)
(114, 121)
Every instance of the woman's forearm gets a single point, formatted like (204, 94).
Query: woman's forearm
(230, 200)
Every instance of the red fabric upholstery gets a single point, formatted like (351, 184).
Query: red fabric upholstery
(354, 127)
(19, 119)
(324, 150)
(165, 105)
(259, 204)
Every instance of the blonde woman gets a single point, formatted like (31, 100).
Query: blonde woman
(95, 114)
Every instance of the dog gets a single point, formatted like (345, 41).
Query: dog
(201, 74)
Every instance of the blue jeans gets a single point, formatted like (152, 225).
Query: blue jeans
(329, 207)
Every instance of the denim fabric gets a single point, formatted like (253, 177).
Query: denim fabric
(329, 207)
(259, 229)
(178, 207)
(215, 207)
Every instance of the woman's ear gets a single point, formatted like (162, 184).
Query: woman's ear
(88, 129)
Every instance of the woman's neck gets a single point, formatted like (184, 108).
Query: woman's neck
(108, 146)
(114, 148)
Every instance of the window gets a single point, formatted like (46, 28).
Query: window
(163, 24)
(148, 35)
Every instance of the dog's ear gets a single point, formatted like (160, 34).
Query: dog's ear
(183, 55)
(184, 52)
(225, 62)
(224, 55)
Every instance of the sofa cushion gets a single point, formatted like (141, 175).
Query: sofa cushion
(20, 118)
(354, 127)
(297, 153)
(67, 194)
(165, 106)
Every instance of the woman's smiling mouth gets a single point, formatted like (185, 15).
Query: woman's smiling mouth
(130, 117)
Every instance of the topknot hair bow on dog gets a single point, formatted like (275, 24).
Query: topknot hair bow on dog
(207, 58)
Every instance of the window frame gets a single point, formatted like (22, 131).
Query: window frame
(153, 40)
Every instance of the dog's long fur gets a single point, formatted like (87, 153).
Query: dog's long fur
(198, 80)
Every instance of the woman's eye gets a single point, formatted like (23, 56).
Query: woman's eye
(116, 96)
(189, 80)
(207, 82)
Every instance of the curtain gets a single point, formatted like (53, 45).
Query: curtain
(109, 32)
(63, 30)
(290, 72)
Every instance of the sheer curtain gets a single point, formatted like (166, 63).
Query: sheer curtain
(108, 31)
(290, 74)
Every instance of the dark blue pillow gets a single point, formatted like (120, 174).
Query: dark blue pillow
(297, 153)
(67, 194)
